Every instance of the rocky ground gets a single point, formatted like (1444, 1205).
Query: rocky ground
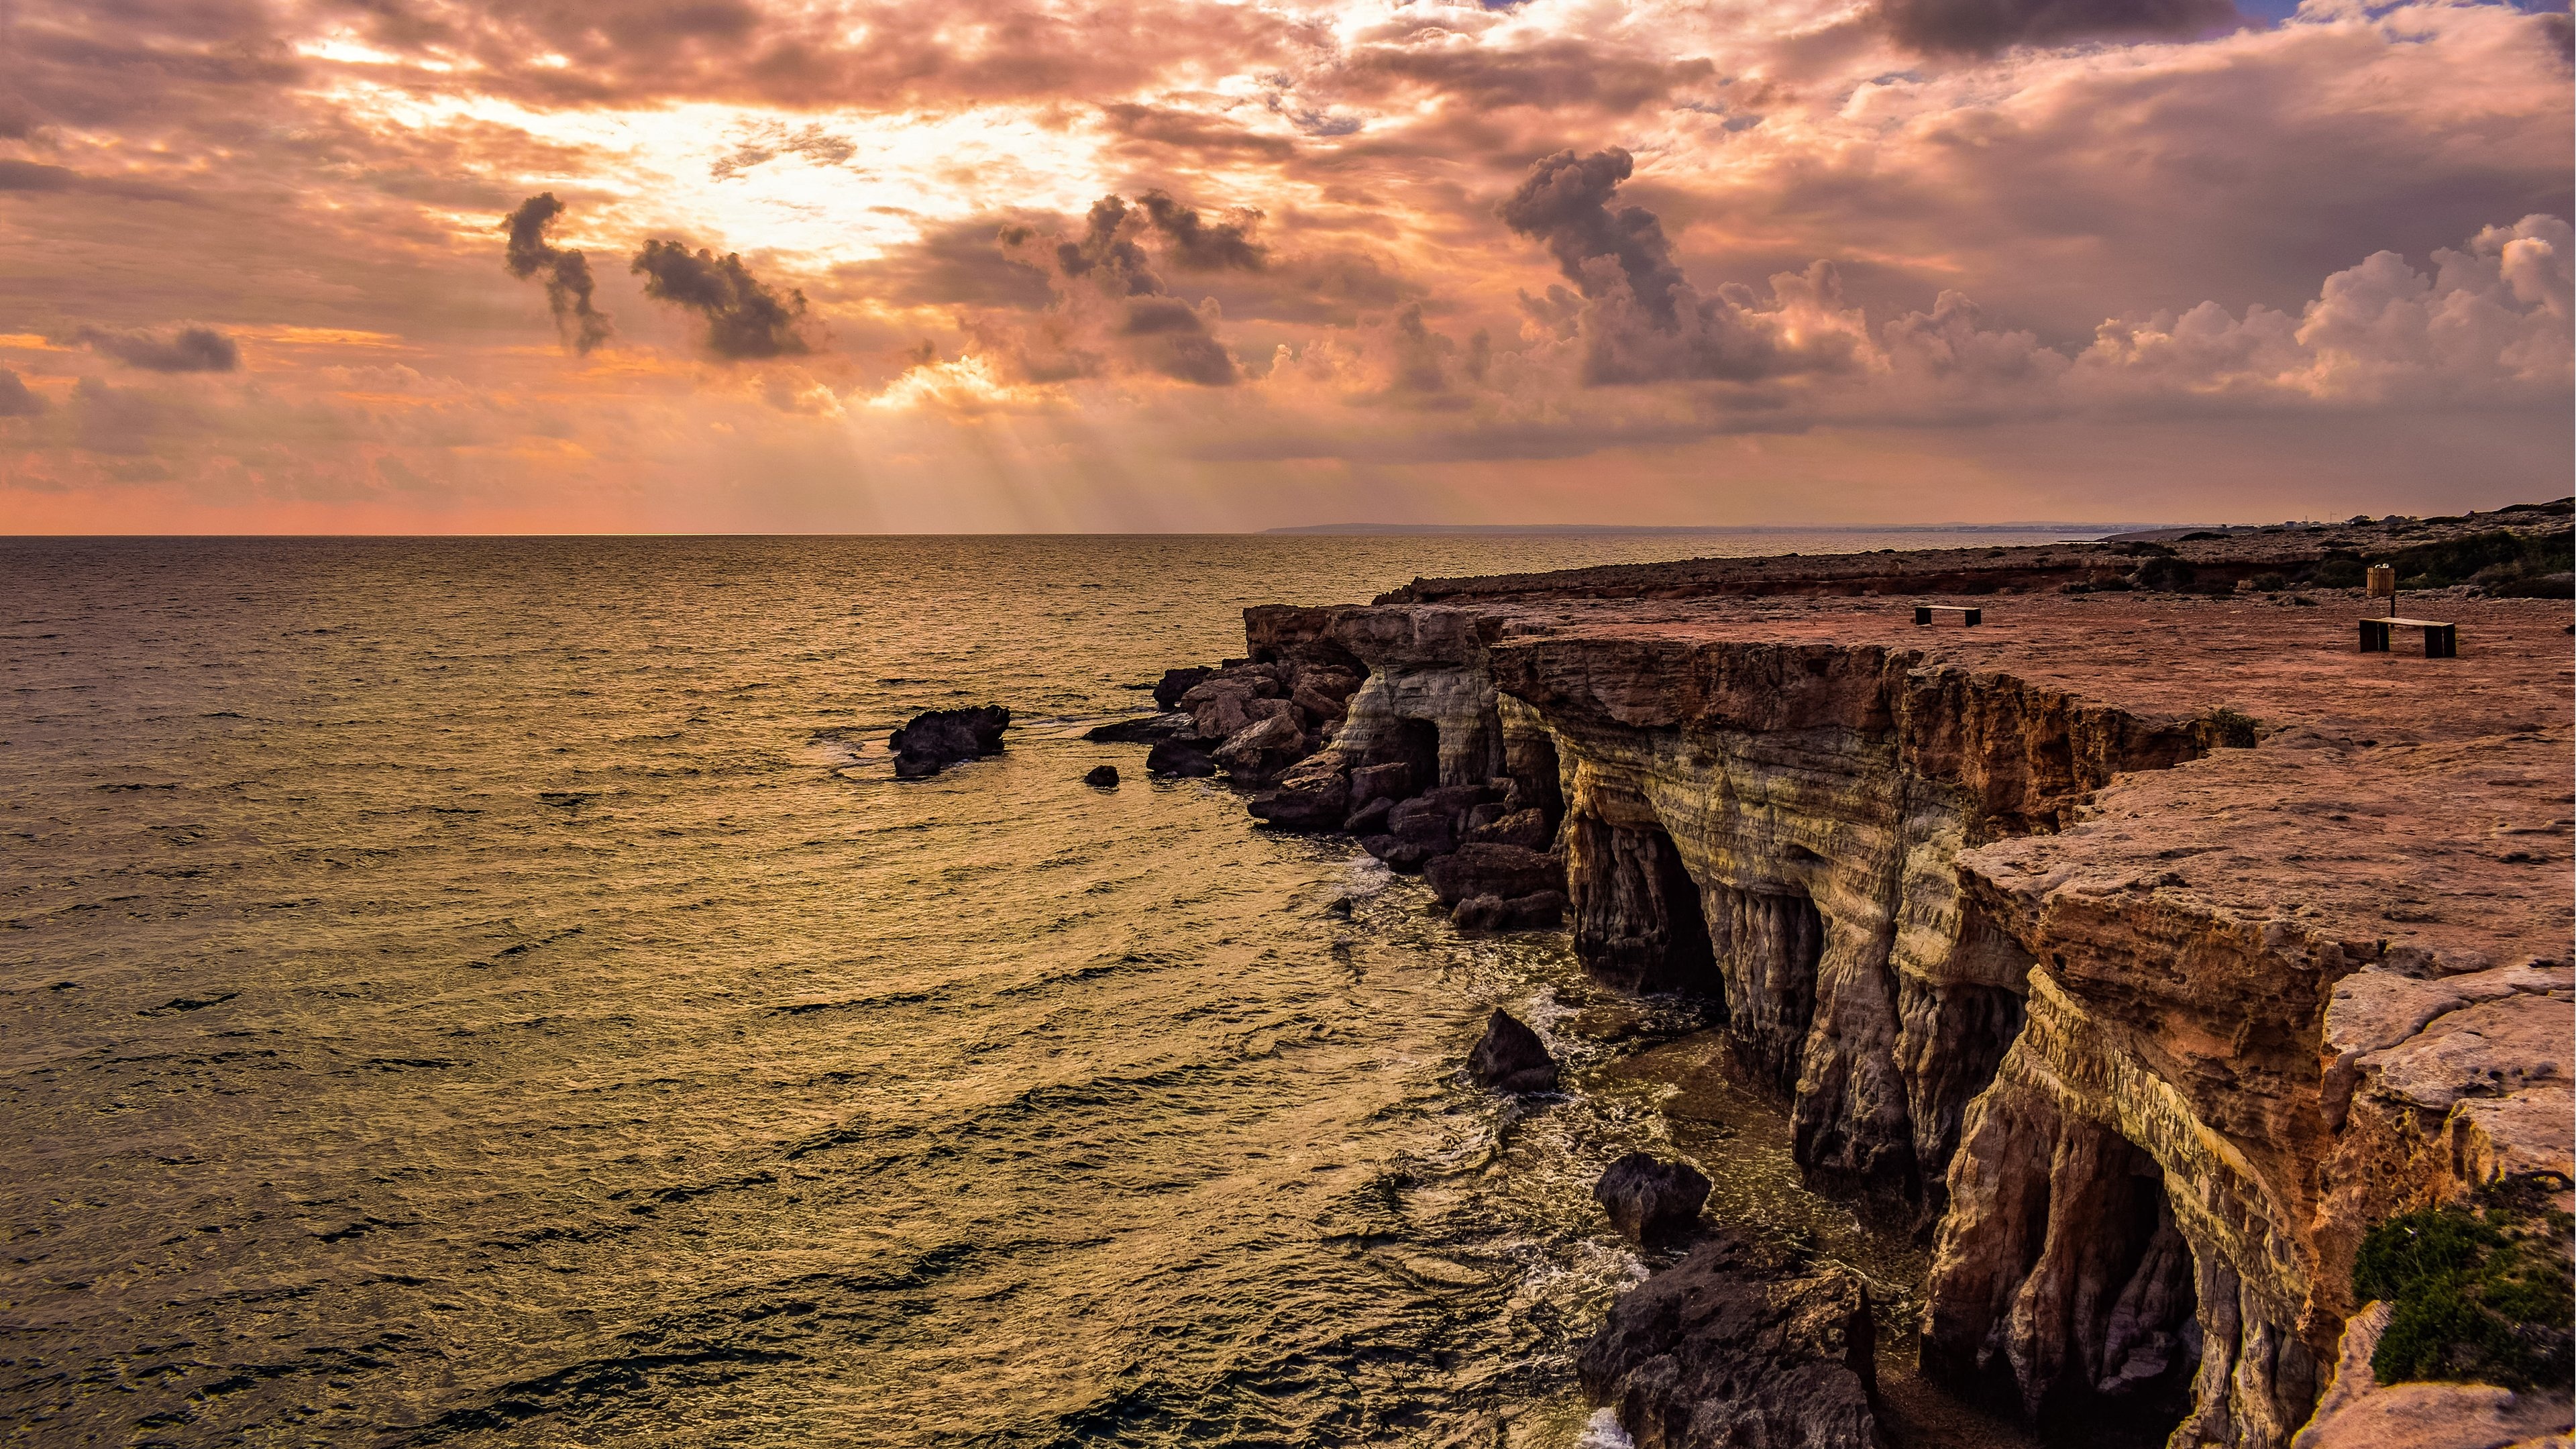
(2145, 944)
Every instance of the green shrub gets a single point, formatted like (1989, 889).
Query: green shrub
(2336, 571)
(2267, 583)
(2479, 1296)
(2499, 554)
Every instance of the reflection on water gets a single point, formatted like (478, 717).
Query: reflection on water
(495, 992)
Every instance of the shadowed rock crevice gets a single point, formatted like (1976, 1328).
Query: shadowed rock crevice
(1637, 918)
(2065, 1287)
(1767, 943)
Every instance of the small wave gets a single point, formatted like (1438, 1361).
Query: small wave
(1602, 1431)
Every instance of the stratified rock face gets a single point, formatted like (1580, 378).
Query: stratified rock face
(2150, 949)
(1777, 826)
(1647, 1197)
(1734, 1346)
(1511, 1058)
(936, 739)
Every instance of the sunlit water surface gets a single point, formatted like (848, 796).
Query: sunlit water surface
(494, 992)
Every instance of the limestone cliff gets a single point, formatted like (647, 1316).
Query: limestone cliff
(2143, 950)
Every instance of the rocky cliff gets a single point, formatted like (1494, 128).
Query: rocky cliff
(2141, 949)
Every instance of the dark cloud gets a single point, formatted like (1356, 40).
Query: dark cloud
(1197, 246)
(1565, 203)
(1642, 321)
(1553, 75)
(35, 176)
(745, 317)
(566, 273)
(1209, 139)
(190, 349)
(1982, 27)
(16, 401)
(952, 264)
(1110, 309)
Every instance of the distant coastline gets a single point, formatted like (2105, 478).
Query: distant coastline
(2039, 526)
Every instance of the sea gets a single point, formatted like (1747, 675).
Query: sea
(495, 992)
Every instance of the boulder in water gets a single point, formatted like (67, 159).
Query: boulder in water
(1313, 794)
(1369, 819)
(1103, 776)
(938, 738)
(1738, 1344)
(1145, 729)
(1179, 757)
(1538, 911)
(1480, 868)
(1511, 1058)
(1178, 682)
(1648, 1197)
(1261, 749)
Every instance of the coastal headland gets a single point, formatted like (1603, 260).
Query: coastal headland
(2144, 947)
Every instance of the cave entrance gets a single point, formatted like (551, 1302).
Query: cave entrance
(1638, 924)
(1767, 945)
(1412, 743)
(2135, 1334)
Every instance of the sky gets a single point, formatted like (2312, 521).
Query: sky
(290, 266)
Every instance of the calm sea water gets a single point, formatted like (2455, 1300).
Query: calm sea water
(494, 992)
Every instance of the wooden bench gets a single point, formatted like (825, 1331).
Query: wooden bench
(1968, 618)
(2441, 641)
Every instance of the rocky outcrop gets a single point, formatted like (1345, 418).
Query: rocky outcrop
(1101, 777)
(936, 739)
(2140, 950)
(1511, 1058)
(2361, 1413)
(1647, 1197)
(1738, 1345)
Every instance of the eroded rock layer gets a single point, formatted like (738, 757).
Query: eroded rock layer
(2142, 949)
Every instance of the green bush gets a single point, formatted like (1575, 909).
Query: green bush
(2499, 555)
(2479, 1296)
(2336, 571)
(2267, 583)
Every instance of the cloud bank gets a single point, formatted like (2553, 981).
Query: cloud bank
(1095, 263)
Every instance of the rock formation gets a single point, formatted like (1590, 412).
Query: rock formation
(936, 739)
(2141, 948)
(1103, 777)
(1511, 1058)
(1648, 1197)
(1737, 1345)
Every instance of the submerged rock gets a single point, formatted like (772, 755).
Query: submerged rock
(1511, 1058)
(1541, 911)
(936, 739)
(1104, 776)
(1648, 1197)
(1176, 757)
(1738, 1345)
(1399, 853)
